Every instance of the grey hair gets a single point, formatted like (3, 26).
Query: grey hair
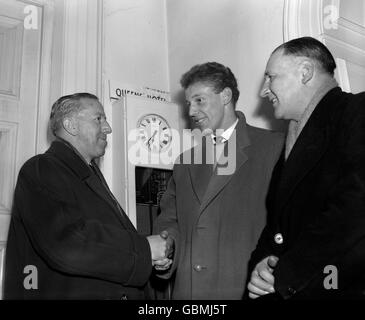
(67, 106)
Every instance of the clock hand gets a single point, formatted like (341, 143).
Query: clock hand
(151, 138)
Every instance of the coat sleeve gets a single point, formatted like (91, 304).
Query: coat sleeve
(67, 239)
(340, 224)
(167, 220)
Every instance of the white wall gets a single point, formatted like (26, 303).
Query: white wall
(135, 43)
(353, 10)
(153, 42)
(76, 50)
(238, 33)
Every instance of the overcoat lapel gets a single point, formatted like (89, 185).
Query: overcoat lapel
(73, 162)
(303, 157)
(219, 181)
(200, 175)
(201, 168)
(94, 183)
(305, 154)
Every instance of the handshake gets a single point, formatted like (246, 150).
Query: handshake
(162, 250)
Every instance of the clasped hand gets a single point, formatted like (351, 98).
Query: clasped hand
(262, 278)
(162, 249)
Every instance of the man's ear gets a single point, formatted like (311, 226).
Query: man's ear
(307, 70)
(226, 95)
(70, 125)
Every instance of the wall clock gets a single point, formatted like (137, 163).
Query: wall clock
(154, 132)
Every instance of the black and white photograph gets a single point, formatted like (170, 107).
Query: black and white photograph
(190, 158)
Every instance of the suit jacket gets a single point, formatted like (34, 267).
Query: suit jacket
(217, 219)
(316, 202)
(65, 223)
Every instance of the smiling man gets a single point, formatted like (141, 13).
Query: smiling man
(316, 201)
(214, 220)
(69, 238)
(205, 107)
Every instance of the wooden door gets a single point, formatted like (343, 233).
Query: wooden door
(20, 47)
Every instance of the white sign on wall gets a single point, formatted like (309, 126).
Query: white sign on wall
(118, 90)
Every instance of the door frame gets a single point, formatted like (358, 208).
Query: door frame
(43, 99)
(45, 72)
(312, 17)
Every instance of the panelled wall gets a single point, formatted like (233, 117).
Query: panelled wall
(24, 82)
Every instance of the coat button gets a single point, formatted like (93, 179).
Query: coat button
(124, 297)
(198, 267)
(279, 238)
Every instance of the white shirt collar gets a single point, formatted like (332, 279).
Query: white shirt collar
(227, 133)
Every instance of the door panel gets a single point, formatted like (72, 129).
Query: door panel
(19, 85)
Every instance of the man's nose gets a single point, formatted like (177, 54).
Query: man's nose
(264, 90)
(106, 128)
(192, 110)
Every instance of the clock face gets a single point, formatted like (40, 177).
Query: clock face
(154, 132)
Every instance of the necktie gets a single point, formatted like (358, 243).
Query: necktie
(218, 149)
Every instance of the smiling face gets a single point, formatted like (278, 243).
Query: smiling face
(92, 129)
(206, 107)
(283, 86)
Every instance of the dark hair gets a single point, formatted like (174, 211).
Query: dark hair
(310, 48)
(219, 76)
(65, 106)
